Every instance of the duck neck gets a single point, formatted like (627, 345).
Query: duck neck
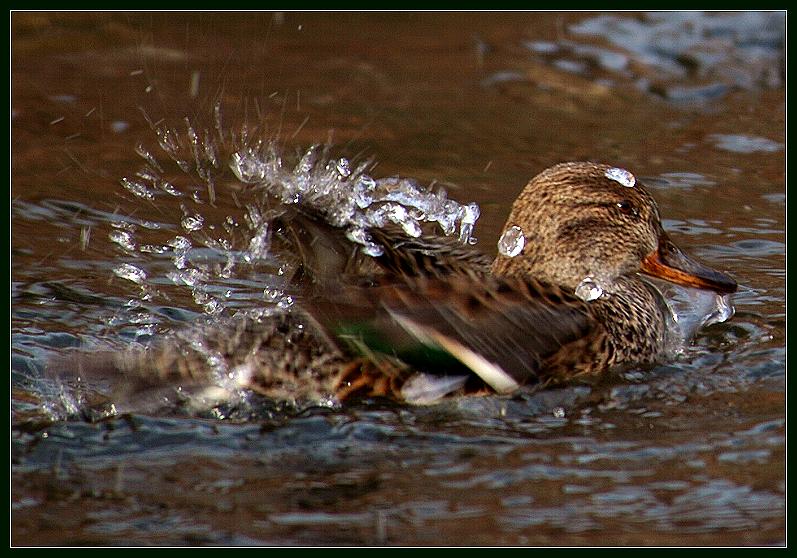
(636, 318)
(555, 269)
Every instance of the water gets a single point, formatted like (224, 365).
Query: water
(511, 242)
(589, 289)
(689, 453)
(621, 176)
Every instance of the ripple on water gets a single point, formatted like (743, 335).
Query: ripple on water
(740, 143)
(670, 50)
(679, 180)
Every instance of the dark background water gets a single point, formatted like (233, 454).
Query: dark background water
(690, 453)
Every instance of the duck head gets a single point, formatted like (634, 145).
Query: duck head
(584, 220)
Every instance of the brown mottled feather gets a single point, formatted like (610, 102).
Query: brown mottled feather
(517, 315)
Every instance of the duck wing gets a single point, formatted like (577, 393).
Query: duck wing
(431, 303)
(503, 331)
(324, 255)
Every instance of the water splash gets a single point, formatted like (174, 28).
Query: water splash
(258, 244)
(131, 273)
(137, 189)
(361, 236)
(224, 261)
(192, 222)
(722, 312)
(124, 239)
(192, 166)
(349, 198)
(180, 247)
(692, 309)
(469, 215)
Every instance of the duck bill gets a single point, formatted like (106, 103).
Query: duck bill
(668, 262)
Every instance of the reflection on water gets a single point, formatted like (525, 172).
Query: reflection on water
(740, 143)
(687, 453)
(687, 56)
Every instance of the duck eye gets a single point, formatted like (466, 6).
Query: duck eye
(627, 208)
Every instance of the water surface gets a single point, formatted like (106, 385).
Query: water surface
(689, 453)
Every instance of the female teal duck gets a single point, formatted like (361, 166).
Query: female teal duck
(564, 299)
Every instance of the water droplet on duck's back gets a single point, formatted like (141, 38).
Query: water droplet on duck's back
(588, 289)
(512, 242)
(621, 176)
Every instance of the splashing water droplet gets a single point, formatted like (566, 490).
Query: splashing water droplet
(192, 222)
(559, 412)
(285, 302)
(690, 309)
(169, 189)
(123, 239)
(147, 156)
(621, 176)
(131, 273)
(190, 277)
(152, 249)
(212, 307)
(359, 236)
(181, 246)
(247, 166)
(723, 311)
(271, 294)
(470, 214)
(363, 191)
(180, 243)
(511, 242)
(136, 188)
(229, 265)
(258, 244)
(345, 195)
(589, 289)
(374, 250)
(342, 166)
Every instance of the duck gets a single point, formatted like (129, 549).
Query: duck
(570, 296)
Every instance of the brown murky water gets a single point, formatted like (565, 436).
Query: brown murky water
(690, 453)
